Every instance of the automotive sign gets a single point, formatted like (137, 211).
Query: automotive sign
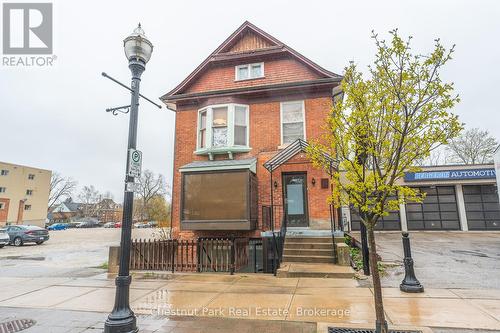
(488, 173)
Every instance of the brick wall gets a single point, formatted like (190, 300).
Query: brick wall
(276, 71)
(265, 138)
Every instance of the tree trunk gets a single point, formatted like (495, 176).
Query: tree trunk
(377, 288)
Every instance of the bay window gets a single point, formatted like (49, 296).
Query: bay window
(223, 129)
(292, 122)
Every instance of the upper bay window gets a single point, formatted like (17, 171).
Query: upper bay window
(249, 71)
(292, 122)
(223, 129)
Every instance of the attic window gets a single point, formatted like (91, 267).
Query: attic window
(249, 71)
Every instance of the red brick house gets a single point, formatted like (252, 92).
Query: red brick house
(248, 109)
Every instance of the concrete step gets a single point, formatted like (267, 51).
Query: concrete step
(307, 259)
(314, 270)
(292, 245)
(308, 252)
(313, 239)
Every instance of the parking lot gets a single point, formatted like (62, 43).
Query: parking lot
(445, 259)
(68, 253)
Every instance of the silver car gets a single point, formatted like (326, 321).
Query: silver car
(4, 238)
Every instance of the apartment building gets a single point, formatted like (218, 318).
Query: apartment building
(24, 194)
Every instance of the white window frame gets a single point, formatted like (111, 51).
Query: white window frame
(3, 189)
(29, 192)
(249, 68)
(31, 176)
(27, 207)
(2, 205)
(198, 138)
(303, 119)
(230, 127)
(4, 172)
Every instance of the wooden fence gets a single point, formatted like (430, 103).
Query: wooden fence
(198, 255)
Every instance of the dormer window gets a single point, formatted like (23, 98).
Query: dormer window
(249, 71)
(223, 129)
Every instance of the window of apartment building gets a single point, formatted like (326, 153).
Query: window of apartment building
(2, 205)
(27, 207)
(223, 126)
(292, 122)
(29, 192)
(249, 71)
(2, 189)
(31, 176)
(4, 172)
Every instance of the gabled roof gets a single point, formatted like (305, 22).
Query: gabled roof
(290, 151)
(229, 49)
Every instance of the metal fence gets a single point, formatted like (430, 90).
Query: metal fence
(196, 255)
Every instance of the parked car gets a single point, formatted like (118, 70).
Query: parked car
(109, 225)
(4, 238)
(141, 225)
(118, 224)
(20, 234)
(152, 224)
(58, 226)
(87, 222)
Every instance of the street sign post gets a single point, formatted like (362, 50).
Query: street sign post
(134, 163)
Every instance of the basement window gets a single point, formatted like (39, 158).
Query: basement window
(249, 71)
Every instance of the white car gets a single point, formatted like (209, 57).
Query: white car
(4, 238)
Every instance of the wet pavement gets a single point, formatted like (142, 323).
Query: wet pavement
(462, 260)
(258, 297)
(59, 284)
(69, 253)
(49, 321)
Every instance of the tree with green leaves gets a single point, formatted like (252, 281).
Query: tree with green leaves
(385, 122)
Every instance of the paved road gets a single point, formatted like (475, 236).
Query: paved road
(68, 253)
(445, 259)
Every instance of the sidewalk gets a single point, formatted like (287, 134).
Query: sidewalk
(254, 297)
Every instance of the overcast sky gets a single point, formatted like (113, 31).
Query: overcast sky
(54, 118)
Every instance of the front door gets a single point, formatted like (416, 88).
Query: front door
(295, 199)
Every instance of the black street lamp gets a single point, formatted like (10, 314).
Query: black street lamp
(122, 319)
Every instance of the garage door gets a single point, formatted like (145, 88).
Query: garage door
(482, 207)
(438, 211)
(389, 222)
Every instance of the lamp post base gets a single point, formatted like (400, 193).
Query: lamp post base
(411, 288)
(121, 325)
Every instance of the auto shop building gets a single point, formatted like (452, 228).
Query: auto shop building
(458, 197)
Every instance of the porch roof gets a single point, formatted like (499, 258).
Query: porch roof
(240, 164)
(290, 151)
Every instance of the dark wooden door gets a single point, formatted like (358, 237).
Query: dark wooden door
(295, 199)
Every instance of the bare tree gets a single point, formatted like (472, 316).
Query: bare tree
(60, 188)
(439, 156)
(90, 197)
(473, 146)
(151, 185)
